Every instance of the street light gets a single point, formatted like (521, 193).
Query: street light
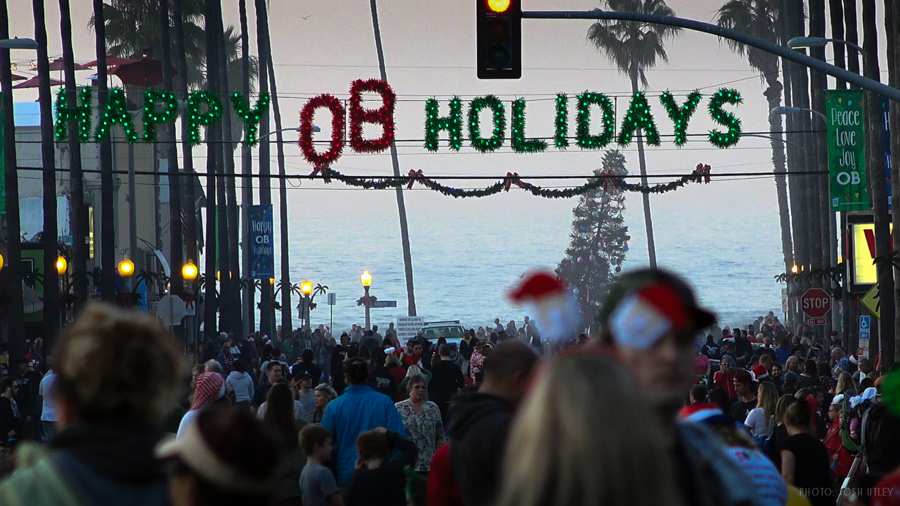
(306, 288)
(784, 111)
(816, 42)
(125, 267)
(2, 260)
(62, 265)
(18, 43)
(366, 280)
(189, 271)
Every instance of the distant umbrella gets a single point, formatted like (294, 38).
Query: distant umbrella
(59, 65)
(34, 82)
(144, 72)
(111, 62)
(17, 77)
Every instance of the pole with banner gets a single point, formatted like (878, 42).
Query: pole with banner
(262, 244)
(846, 133)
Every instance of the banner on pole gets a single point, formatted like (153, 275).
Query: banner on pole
(261, 242)
(846, 132)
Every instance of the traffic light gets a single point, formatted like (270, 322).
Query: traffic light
(499, 39)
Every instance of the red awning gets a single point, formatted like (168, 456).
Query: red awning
(34, 82)
(145, 72)
(111, 62)
(59, 65)
(17, 77)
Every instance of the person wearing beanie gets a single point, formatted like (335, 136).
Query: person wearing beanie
(652, 319)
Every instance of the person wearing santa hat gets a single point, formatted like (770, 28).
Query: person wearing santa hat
(652, 318)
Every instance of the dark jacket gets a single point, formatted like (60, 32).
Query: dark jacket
(446, 380)
(92, 465)
(479, 426)
(385, 486)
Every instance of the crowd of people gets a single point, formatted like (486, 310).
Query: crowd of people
(638, 412)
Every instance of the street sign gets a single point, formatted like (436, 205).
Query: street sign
(846, 134)
(384, 303)
(815, 303)
(408, 327)
(332, 299)
(262, 242)
(865, 333)
(870, 302)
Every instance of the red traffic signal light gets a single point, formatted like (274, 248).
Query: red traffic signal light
(499, 39)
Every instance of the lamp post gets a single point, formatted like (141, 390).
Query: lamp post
(189, 274)
(306, 290)
(366, 280)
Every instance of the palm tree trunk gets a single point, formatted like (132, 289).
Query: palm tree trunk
(189, 212)
(851, 36)
(282, 190)
(267, 308)
(176, 256)
(77, 214)
(50, 239)
(249, 306)
(892, 24)
(773, 96)
(648, 218)
(401, 205)
(231, 302)
(877, 185)
(212, 156)
(107, 198)
(836, 10)
(15, 326)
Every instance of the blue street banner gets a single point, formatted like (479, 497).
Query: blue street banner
(261, 242)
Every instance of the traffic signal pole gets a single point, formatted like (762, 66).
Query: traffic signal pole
(699, 26)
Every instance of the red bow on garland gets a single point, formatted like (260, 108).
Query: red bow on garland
(702, 173)
(324, 171)
(512, 178)
(414, 175)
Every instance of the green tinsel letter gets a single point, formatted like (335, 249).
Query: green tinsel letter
(434, 124)
(81, 114)
(727, 119)
(196, 117)
(115, 112)
(585, 139)
(494, 142)
(250, 117)
(680, 116)
(152, 117)
(637, 117)
(519, 143)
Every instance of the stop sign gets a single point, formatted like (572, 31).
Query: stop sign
(815, 303)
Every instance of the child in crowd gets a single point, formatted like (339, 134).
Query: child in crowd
(317, 484)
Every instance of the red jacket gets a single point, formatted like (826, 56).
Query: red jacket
(442, 487)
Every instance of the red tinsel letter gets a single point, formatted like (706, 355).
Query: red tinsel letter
(383, 115)
(337, 129)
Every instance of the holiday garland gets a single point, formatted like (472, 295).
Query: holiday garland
(331, 103)
(519, 143)
(583, 120)
(701, 174)
(638, 116)
(80, 113)
(495, 141)
(116, 113)
(720, 98)
(198, 117)
(152, 117)
(680, 116)
(561, 135)
(434, 124)
(384, 115)
(250, 116)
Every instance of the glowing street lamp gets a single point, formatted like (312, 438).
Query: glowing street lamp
(306, 288)
(125, 267)
(2, 261)
(189, 271)
(62, 265)
(366, 280)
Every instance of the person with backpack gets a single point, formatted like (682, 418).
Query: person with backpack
(804, 459)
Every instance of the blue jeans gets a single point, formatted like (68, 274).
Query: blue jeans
(48, 430)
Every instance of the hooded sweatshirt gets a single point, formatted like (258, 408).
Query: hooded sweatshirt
(478, 427)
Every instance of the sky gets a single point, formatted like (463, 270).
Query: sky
(321, 46)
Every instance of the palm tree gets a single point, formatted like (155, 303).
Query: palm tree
(266, 297)
(49, 235)
(836, 10)
(282, 182)
(76, 179)
(246, 180)
(175, 234)
(107, 225)
(757, 18)
(189, 213)
(212, 157)
(12, 271)
(892, 21)
(635, 47)
(851, 35)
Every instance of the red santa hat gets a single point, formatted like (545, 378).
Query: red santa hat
(699, 412)
(556, 312)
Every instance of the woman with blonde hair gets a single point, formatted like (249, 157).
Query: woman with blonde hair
(845, 385)
(607, 444)
(761, 419)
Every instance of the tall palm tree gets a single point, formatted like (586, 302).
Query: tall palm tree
(78, 215)
(249, 307)
(851, 35)
(892, 22)
(757, 17)
(189, 213)
(50, 239)
(107, 205)
(836, 12)
(12, 291)
(395, 162)
(168, 133)
(266, 297)
(879, 191)
(635, 47)
(212, 157)
(282, 182)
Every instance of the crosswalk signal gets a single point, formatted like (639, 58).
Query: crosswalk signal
(499, 39)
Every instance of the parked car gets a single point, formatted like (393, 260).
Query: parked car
(450, 330)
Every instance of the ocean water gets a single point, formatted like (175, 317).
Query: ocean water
(467, 253)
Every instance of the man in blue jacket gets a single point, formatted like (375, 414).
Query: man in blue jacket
(359, 409)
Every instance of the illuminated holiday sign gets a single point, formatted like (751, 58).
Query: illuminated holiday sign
(203, 109)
